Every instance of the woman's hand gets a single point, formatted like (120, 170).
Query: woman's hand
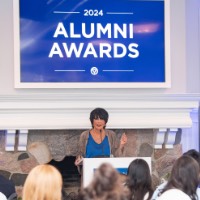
(123, 140)
(79, 160)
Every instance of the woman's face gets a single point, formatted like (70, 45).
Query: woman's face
(99, 124)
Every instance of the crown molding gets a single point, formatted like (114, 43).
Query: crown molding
(163, 113)
(71, 111)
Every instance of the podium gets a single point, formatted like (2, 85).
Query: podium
(119, 163)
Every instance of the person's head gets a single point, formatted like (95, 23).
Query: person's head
(139, 179)
(42, 183)
(194, 154)
(99, 118)
(107, 177)
(105, 185)
(184, 176)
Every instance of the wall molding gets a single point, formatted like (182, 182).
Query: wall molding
(164, 113)
(71, 111)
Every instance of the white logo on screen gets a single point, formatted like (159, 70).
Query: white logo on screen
(94, 71)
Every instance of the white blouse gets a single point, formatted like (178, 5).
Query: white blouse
(2, 196)
(174, 194)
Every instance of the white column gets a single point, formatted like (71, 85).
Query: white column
(159, 137)
(170, 138)
(10, 140)
(22, 142)
(190, 136)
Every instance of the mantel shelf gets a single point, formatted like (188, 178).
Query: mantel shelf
(164, 114)
(72, 111)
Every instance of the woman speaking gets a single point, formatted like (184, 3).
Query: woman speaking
(98, 141)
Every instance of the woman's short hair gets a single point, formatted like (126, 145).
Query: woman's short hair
(43, 182)
(99, 113)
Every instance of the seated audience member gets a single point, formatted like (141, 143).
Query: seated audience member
(194, 154)
(2, 196)
(44, 182)
(139, 180)
(106, 185)
(183, 181)
(7, 187)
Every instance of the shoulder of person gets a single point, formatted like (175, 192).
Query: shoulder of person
(146, 196)
(110, 132)
(2, 196)
(85, 133)
(198, 192)
(158, 190)
(84, 136)
(174, 194)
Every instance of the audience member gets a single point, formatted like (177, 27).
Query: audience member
(139, 180)
(7, 187)
(44, 182)
(183, 181)
(106, 185)
(194, 154)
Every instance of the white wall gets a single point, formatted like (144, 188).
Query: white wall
(193, 44)
(184, 54)
(185, 71)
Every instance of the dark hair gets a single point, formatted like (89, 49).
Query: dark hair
(184, 176)
(194, 154)
(99, 113)
(139, 179)
(106, 185)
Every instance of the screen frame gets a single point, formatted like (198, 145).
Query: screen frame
(19, 84)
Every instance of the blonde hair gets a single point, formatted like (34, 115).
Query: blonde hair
(44, 182)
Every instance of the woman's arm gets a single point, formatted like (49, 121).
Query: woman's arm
(117, 147)
(81, 147)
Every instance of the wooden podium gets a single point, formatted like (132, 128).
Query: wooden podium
(120, 163)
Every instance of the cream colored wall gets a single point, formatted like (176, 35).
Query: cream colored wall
(193, 45)
(184, 54)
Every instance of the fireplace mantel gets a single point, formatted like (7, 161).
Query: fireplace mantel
(166, 113)
(51, 111)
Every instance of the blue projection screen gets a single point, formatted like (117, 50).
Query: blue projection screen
(92, 44)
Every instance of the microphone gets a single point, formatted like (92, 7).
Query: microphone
(102, 147)
(101, 143)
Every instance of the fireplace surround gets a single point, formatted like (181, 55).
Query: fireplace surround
(163, 113)
(153, 124)
(54, 146)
